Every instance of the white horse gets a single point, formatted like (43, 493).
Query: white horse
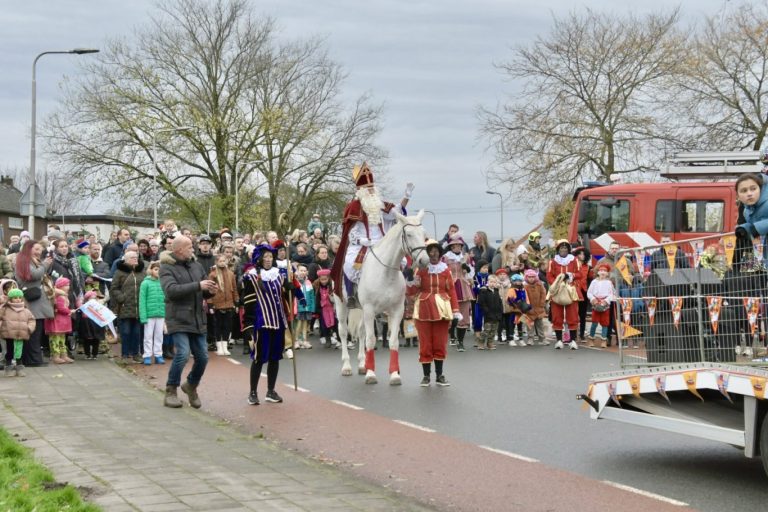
(382, 290)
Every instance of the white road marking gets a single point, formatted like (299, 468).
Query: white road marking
(413, 425)
(233, 361)
(298, 388)
(646, 494)
(345, 404)
(509, 454)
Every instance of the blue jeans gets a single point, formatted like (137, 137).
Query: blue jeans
(130, 336)
(184, 342)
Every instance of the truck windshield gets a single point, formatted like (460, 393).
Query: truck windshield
(601, 216)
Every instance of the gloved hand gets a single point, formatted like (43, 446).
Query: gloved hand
(409, 190)
(365, 242)
(746, 230)
(408, 274)
(458, 316)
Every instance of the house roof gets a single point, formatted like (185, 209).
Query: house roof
(9, 198)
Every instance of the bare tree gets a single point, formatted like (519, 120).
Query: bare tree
(721, 92)
(252, 109)
(62, 196)
(585, 109)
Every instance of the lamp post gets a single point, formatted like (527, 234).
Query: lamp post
(155, 199)
(32, 176)
(501, 209)
(237, 192)
(434, 220)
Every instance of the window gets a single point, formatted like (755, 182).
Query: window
(15, 223)
(605, 215)
(702, 216)
(665, 216)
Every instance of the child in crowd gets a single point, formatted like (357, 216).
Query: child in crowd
(481, 279)
(152, 314)
(506, 327)
(409, 327)
(324, 307)
(6, 285)
(489, 303)
(600, 294)
(517, 300)
(90, 332)
(305, 307)
(536, 296)
(223, 303)
(17, 324)
(84, 257)
(58, 327)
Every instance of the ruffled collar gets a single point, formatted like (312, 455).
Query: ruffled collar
(436, 269)
(453, 257)
(564, 261)
(269, 275)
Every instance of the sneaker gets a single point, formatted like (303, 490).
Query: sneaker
(273, 397)
(573, 345)
(491, 346)
(253, 398)
(530, 342)
(503, 336)
(306, 344)
(442, 381)
(496, 337)
(558, 345)
(10, 371)
(516, 337)
(335, 343)
(158, 360)
(323, 341)
(288, 353)
(147, 361)
(460, 348)
(452, 342)
(512, 343)
(545, 342)
(20, 370)
(424, 381)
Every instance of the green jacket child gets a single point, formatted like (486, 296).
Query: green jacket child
(151, 299)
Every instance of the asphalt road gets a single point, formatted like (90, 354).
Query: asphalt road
(522, 400)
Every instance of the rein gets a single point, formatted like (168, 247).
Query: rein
(403, 245)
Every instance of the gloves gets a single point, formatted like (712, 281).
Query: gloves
(408, 274)
(365, 242)
(458, 316)
(746, 230)
(409, 190)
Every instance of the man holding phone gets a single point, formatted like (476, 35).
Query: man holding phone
(185, 285)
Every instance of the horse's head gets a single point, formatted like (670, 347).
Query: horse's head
(414, 237)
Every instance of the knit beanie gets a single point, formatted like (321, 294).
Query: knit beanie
(62, 282)
(15, 294)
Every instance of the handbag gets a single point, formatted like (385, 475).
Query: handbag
(409, 328)
(31, 294)
(561, 293)
(443, 307)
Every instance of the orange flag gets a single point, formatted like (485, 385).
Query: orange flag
(670, 251)
(713, 307)
(752, 304)
(626, 310)
(758, 386)
(690, 381)
(676, 303)
(634, 384)
(623, 267)
(729, 244)
(651, 305)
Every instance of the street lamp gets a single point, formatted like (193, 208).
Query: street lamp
(501, 209)
(237, 192)
(32, 176)
(434, 220)
(155, 199)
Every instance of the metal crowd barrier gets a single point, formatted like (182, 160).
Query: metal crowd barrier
(698, 300)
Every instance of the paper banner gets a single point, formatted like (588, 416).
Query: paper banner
(676, 303)
(640, 260)
(690, 381)
(650, 305)
(661, 386)
(714, 304)
(698, 250)
(634, 384)
(729, 244)
(627, 331)
(758, 386)
(757, 244)
(722, 384)
(626, 310)
(670, 251)
(623, 267)
(612, 393)
(752, 304)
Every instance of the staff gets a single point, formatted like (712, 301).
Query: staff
(284, 225)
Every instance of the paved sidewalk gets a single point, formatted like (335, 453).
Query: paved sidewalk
(99, 428)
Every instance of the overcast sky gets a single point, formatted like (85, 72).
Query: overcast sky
(430, 62)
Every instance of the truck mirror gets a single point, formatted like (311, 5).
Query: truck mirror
(582, 227)
(582, 214)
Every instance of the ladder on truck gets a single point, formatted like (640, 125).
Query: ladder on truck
(711, 165)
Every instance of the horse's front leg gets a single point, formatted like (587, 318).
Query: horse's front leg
(342, 313)
(370, 344)
(395, 316)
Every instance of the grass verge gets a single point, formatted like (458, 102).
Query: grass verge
(26, 485)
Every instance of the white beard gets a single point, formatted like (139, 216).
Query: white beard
(371, 204)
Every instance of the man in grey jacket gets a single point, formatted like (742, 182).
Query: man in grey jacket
(185, 285)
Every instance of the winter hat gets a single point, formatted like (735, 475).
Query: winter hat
(501, 272)
(24, 234)
(605, 266)
(278, 244)
(323, 272)
(517, 277)
(456, 239)
(481, 264)
(259, 251)
(90, 295)
(82, 244)
(521, 250)
(530, 272)
(62, 282)
(15, 294)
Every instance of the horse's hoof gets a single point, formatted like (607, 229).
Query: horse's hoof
(346, 372)
(395, 380)
(370, 379)
(361, 370)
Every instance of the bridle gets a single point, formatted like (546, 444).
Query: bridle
(405, 246)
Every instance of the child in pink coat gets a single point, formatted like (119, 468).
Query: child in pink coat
(60, 325)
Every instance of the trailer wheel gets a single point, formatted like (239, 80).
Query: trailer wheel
(764, 443)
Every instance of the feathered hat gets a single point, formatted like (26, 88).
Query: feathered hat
(259, 251)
